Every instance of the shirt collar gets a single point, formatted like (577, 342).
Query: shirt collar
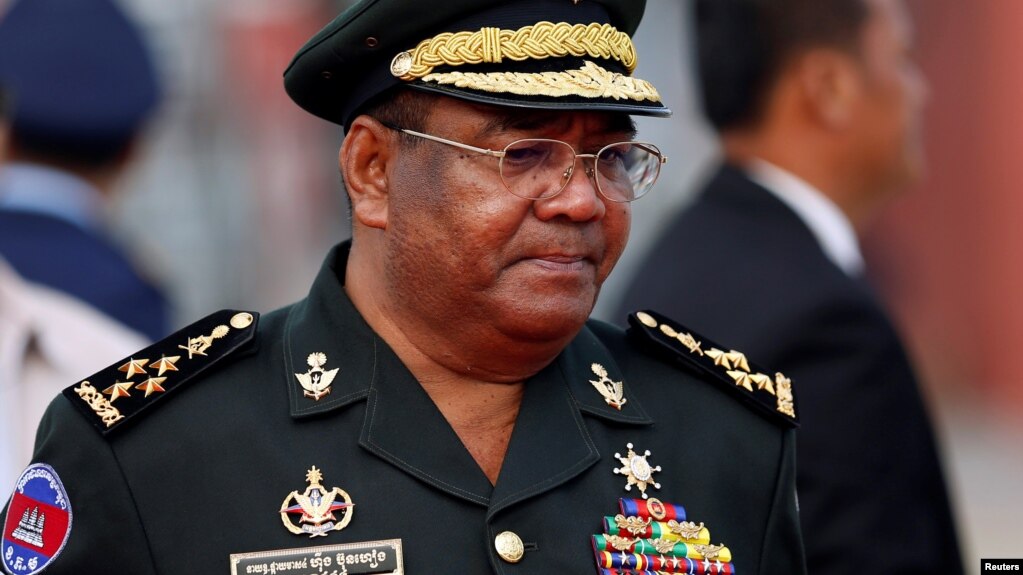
(328, 322)
(43, 190)
(831, 227)
(551, 443)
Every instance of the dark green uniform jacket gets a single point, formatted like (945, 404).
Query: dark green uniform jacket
(203, 471)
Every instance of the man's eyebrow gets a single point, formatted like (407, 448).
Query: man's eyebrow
(618, 123)
(508, 122)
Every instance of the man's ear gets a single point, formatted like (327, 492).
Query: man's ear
(363, 159)
(831, 84)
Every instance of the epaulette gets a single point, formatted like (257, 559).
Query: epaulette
(772, 396)
(125, 389)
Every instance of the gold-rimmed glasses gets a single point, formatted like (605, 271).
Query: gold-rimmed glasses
(540, 168)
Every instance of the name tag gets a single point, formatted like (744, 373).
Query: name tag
(367, 557)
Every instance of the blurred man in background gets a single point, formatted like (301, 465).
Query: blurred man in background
(46, 339)
(818, 107)
(82, 85)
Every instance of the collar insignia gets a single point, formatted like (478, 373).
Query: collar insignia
(636, 469)
(315, 508)
(316, 382)
(612, 391)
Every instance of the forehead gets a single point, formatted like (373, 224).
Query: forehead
(487, 119)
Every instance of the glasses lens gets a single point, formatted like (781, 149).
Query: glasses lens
(537, 169)
(627, 170)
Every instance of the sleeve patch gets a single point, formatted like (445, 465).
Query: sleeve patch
(38, 521)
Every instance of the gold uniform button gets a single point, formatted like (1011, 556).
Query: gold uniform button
(509, 546)
(241, 320)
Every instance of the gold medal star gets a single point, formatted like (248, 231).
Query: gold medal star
(165, 364)
(119, 389)
(134, 366)
(152, 385)
(637, 470)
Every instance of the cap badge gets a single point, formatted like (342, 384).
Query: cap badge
(613, 392)
(315, 508)
(316, 382)
(637, 470)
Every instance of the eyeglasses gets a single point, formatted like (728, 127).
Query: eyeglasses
(539, 168)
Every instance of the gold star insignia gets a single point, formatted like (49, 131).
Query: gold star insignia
(119, 389)
(165, 364)
(720, 358)
(763, 381)
(741, 379)
(738, 360)
(134, 366)
(152, 385)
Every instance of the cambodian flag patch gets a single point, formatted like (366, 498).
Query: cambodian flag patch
(38, 521)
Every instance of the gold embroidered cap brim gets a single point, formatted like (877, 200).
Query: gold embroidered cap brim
(589, 81)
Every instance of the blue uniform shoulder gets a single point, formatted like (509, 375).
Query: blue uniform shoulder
(770, 396)
(120, 393)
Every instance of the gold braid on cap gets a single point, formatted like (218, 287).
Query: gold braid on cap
(536, 42)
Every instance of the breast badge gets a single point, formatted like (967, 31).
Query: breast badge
(316, 382)
(38, 521)
(315, 508)
(637, 470)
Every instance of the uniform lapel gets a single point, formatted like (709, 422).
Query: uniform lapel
(402, 425)
(551, 444)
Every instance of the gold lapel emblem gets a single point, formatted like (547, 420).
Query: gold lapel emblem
(613, 392)
(315, 508)
(637, 470)
(316, 382)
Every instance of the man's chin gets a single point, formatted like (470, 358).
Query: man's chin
(550, 320)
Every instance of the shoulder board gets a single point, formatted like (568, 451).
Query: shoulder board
(124, 390)
(771, 396)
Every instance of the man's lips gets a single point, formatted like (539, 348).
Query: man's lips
(559, 262)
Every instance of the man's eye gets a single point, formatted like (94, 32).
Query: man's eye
(531, 154)
(614, 155)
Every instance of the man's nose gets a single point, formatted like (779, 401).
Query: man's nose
(579, 200)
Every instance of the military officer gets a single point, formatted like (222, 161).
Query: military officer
(439, 403)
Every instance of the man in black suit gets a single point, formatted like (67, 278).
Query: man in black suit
(818, 107)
